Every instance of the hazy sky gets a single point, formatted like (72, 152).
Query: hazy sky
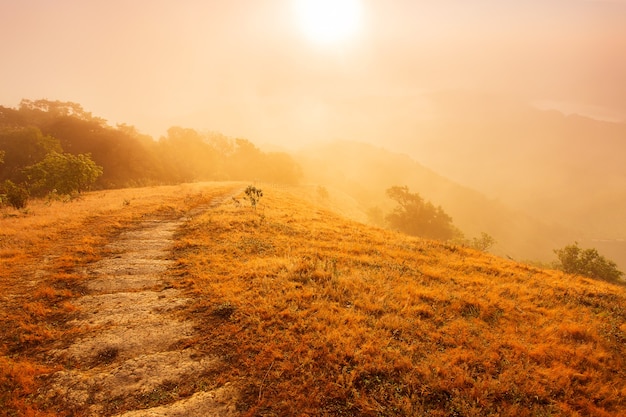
(245, 67)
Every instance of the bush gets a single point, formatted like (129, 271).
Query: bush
(482, 243)
(253, 195)
(417, 217)
(63, 173)
(15, 195)
(587, 262)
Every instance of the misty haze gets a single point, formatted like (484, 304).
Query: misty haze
(298, 207)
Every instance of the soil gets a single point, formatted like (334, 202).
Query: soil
(129, 361)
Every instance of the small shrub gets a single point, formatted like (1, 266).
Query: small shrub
(587, 262)
(15, 195)
(482, 243)
(224, 310)
(63, 173)
(253, 195)
(417, 217)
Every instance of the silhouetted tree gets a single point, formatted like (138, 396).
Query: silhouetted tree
(41, 111)
(188, 155)
(417, 217)
(281, 168)
(587, 262)
(128, 158)
(23, 146)
(11, 118)
(246, 162)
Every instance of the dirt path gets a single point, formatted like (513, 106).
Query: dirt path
(131, 357)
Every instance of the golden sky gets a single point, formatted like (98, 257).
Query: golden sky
(248, 68)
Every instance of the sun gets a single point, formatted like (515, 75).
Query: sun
(328, 21)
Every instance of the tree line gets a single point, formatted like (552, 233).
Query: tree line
(54, 146)
(58, 148)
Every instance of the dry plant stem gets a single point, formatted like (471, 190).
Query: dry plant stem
(263, 380)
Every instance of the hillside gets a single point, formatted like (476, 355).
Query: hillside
(557, 166)
(563, 169)
(560, 168)
(38, 131)
(310, 313)
(364, 172)
(37, 128)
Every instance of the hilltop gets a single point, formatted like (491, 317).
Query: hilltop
(312, 313)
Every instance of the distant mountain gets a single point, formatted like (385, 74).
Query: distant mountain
(365, 172)
(564, 169)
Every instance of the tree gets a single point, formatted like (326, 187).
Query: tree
(587, 262)
(15, 195)
(281, 168)
(417, 217)
(246, 162)
(47, 109)
(482, 243)
(23, 146)
(64, 172)
(188, 155)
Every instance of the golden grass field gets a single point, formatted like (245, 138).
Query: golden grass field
(41, 252)
(314, 314)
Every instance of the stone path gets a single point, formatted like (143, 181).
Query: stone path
(131, 358)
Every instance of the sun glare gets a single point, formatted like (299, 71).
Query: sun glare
(328, 21)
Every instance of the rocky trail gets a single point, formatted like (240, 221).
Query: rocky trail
(132, 356)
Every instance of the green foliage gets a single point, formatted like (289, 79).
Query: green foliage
(22, 147)
(49, 109)
(587, 262)
(129, 158)
(15, 195)
(417, 217)
(253, 195)
(63, 173)
(482, 243)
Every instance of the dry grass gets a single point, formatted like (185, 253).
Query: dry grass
(41, 252)
(318, 315)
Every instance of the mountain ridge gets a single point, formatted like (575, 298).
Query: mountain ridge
(365, 171)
